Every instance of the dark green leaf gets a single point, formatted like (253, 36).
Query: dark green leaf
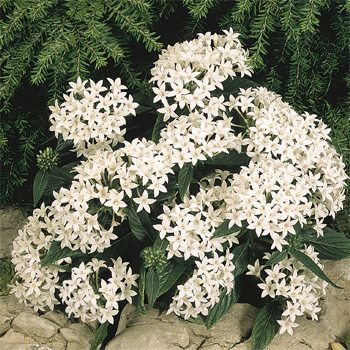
(100, 336)
(147, 224)
(240, 258)
(40, 183)
(276, 257)
(169, 275)
(333, 245)
(136, 226)
(185, 177)
(140, 297)
(60, 177)
(56, 253)
(152, 286)
(232, 158)
(265, 326)
(311, 265)
(224, 230)
(161, 243)
(158, 126)
(222, 307)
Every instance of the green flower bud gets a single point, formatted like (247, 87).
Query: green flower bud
(153, 258)
(47, 159)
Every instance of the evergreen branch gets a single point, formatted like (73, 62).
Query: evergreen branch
(199, 8)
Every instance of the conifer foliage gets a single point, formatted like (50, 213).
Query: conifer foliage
(47, 43)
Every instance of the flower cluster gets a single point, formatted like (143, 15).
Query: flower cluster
(211, 278)
(89, 297)
(295, 175)
(187, 73)
(35, 284)
(300, 287)
(92, 115)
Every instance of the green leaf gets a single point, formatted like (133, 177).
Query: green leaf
(240, 258)
(100, 336)
(136, 226)
(231, 159)
(185, 177)
(222, 307)
(158, 127)
(161, 244)
(333, 245)
(224, 230)
(168, 276)
(311, 265)
(152, 286)
(59, 177)
(266, 326)
(56, 253)
(147, 224)
(40, 183)
(140, 298)
(276, 257)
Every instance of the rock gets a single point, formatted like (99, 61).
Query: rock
(57, 317)
(9, 309)
(57, 342)
(11, 220)
(13, 337)
(33, 325)
(336, 306)
(152, 331)
(78, 336)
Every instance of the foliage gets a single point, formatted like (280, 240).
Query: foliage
(46, 43)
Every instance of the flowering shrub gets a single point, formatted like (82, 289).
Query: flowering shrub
(232, 182)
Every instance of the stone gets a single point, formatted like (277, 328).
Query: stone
(9, 309)
(11, 220)
(335, 314)
(57, 317)
(34, 325)
(57, 342)
(13, 337)
(78, 335)
(152, 331)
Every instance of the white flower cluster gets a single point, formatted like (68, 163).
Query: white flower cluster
(187, 73)
(35, 284)
(90, 298)
(188, 77)
(211, 278)
(298, 285)
(86, 294)
(295, 175)
(92, 115)
(189, 228)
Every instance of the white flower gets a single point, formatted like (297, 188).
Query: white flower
(144, 202)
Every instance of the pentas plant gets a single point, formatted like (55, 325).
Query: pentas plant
(232, 181)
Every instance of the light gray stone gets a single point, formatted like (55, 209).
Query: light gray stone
(152, 331)
(78, 335)
(57, 317)
(11, 220)
(13, 337)
(9, 309)
(34, 325)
